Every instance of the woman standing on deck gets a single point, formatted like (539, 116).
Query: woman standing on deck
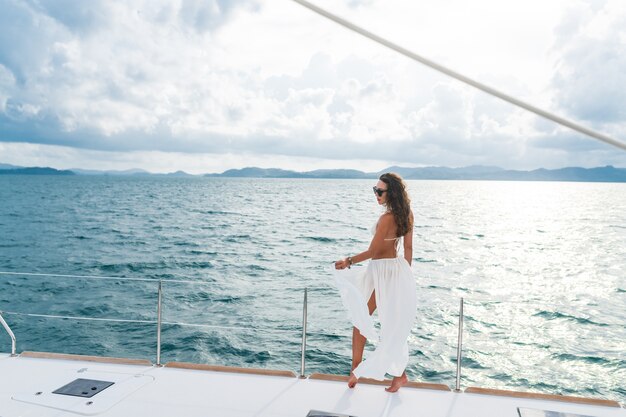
(387, 284)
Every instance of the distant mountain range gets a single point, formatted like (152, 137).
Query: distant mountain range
(253, 172)
(131, 172)
(600, 174)
(8, 169)
(32, 171)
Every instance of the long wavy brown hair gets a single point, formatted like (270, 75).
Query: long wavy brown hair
(398, 202)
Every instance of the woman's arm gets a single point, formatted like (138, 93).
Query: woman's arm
(384, 224)
(408, 242)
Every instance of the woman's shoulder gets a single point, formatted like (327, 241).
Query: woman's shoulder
(386, 219)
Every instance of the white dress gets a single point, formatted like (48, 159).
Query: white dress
(396, 302)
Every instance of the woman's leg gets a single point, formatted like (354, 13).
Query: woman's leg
(358, 342)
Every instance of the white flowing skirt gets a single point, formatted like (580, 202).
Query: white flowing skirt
(392, 281)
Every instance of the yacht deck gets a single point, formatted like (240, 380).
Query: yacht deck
(141, 389)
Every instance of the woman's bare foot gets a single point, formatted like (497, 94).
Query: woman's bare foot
(397, 383)
(352, 381)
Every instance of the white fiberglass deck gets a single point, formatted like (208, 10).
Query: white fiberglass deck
(26, 385)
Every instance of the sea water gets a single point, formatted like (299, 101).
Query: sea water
(541, 267)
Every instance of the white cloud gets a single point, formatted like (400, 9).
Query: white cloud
(62, 157)
(272, 78)
(591, 74)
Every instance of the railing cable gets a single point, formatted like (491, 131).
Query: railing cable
(95, 277)
(169, 323)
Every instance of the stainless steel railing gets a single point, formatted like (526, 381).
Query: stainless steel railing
(159, 322)
(159, 310)
(459, 349)
(304, 320)
(10, 332)
(467, 331)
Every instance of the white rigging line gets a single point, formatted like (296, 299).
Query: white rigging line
(489, 90)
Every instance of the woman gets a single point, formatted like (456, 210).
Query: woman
(389, 286)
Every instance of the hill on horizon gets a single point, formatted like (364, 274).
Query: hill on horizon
(473, 172)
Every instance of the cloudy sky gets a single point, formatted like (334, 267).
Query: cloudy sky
(207, 85)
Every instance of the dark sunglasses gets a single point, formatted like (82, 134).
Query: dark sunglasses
(379, 191)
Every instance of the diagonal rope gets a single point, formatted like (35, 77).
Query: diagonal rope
(460, 77)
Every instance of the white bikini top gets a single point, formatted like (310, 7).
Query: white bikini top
(397, 239)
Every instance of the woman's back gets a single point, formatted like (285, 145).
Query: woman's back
(385, 235)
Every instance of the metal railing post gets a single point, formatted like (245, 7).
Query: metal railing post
(158, 353)
(304, 319)
(459, 347)
(10, 332)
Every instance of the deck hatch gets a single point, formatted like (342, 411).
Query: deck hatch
(317, 413)
(83, 387)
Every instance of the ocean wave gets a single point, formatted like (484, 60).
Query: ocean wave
(206, 296)
(187, 244)
(468, 362)
(219, 212)
(236, 238)
(424, 260)
(193, 264)
(568, 357)
(201, 252)
(555, 315)
(255, 267)
(11, 245)
(95, 311)
(131, 267)
(321, 239)
(222, 347)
